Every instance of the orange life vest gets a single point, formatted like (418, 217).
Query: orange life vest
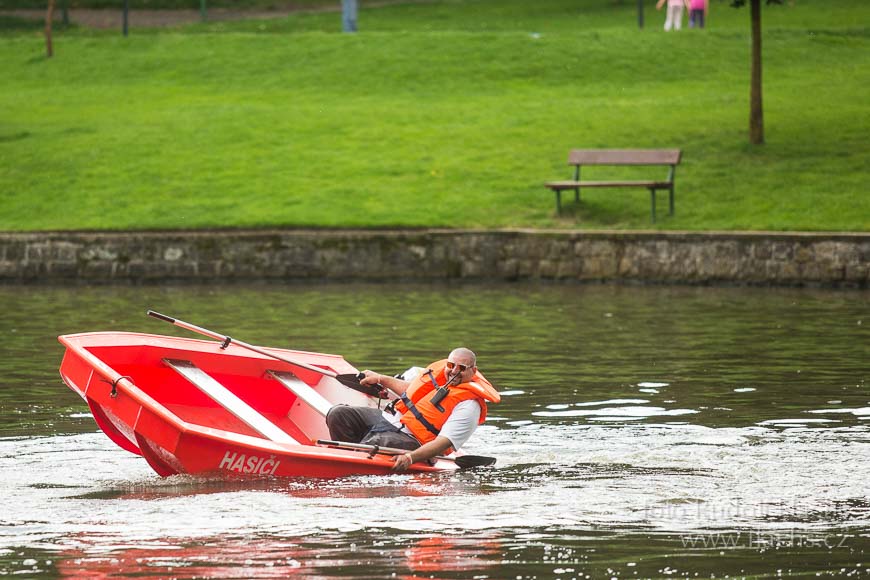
(423, 418)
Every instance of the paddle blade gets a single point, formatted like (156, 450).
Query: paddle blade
(469, 461)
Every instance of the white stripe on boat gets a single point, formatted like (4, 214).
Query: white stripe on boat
(226, 399)
(311, 397)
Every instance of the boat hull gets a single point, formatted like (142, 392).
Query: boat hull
(189, 406)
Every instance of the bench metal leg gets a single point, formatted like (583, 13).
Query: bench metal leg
(671, 199)
(652, 193)
(558, 202)
(577, 180)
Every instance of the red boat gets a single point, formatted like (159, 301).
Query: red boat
(198, 406)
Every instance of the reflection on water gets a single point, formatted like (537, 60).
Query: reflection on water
(278, 558)
(644, 431)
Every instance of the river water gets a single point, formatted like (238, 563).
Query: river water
(644, 432)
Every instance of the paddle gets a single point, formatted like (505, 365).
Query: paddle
(348, 380)
(463, 461)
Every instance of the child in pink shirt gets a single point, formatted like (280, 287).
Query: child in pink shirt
(697, 12)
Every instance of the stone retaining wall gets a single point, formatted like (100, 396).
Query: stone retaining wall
(660, 257)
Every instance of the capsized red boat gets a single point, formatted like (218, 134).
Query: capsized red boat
(198, 406)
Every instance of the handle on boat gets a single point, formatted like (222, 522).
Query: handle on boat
(162, 317)
(211, 334)
(348, 380)
(463, 461)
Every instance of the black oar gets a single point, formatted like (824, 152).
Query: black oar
(463, 461)
(348, 380)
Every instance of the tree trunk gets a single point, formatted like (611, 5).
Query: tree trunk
(49, 16)
(756, 113)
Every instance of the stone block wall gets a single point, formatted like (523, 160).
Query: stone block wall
(793, 259)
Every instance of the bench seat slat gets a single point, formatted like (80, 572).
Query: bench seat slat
(573, 184)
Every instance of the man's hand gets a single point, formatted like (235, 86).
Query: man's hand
(371, 378)
(403, 462)
(392, 383)
(423, 453)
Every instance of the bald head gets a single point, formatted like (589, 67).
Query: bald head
(464, 356)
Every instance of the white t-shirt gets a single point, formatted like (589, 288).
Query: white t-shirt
(459, 425)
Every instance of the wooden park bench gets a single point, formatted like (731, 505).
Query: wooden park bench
(581, 157)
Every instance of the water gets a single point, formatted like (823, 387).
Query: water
(644, 431)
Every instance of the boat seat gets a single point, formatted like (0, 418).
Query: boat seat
(229, 401)
(311, 397)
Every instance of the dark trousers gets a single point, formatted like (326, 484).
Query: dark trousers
(696, 19)
(366, 425)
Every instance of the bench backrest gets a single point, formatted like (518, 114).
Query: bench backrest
(624, 157)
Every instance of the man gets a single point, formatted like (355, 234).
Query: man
(436, 412)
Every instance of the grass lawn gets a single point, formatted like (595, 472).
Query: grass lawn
(449, 113)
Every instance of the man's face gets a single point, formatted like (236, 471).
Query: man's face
(461, 365)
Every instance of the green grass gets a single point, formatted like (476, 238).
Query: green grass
(445, 113)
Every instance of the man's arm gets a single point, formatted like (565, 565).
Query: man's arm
(398, 386)
(435, 447)
(454, 433)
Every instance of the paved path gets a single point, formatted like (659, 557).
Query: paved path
(169, 18)
(145, 18)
